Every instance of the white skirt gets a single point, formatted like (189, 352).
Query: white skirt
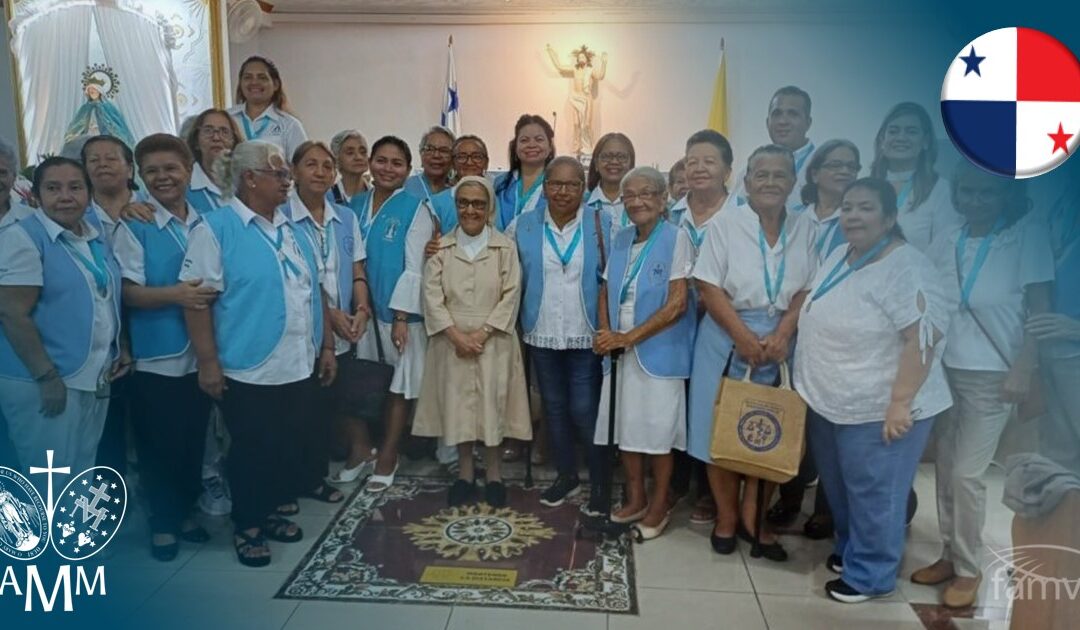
(408, 366)
(650, 413)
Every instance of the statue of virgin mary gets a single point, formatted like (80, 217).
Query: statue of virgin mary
(98, 116)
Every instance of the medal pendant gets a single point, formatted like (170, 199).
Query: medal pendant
(772, 311)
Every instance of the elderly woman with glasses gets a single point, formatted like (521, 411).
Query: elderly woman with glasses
(436, 163)
(474, 390)
(259, 369)
(350, 149)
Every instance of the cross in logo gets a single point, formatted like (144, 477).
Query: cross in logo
(50, 471)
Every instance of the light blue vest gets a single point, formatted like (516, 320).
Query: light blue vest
(158, 332)
(64, 313)
(385, 240)
(530, 241)
(446, 209)
(249, 316)
(346, 249)
(506, 194)
(203, 200)
(667, 353)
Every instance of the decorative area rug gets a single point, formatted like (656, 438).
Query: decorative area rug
(405, 545)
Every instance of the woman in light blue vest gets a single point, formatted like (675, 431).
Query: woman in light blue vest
(521, 189)
(213, 133)
(752, 273)
(339, 248)
(436, 164)
(257, 347)
(396, 226)
(612, 159)
(470, 157)
(561, 249)
(169, 411)
(643, 311)
(59, 322)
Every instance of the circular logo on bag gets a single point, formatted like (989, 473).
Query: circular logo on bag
(759, 430)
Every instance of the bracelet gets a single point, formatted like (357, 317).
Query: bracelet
(355, 280)
(49, 375)
(401, 318)
(488, 329)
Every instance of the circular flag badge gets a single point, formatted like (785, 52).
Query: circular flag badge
(1011, 102)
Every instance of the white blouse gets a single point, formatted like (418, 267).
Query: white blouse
(614, 208)
(934, 217)
(274, 126)
(1018, 257)
(294, 357)
(850, 339)
(730, 258)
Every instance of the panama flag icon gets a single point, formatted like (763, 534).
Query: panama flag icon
(1011, 102)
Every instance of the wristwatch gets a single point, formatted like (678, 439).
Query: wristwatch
(401, 318)
(488, 330)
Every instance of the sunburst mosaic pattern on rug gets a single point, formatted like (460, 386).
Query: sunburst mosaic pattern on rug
(405, 545)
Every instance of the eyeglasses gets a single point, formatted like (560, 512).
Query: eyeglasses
(645, 195)
(475, 204)
(621, 158)
(434, 150)
(980, 195)
(210, 132)
(836, 165)
(281, 174)
(463, 158)
(555, 186)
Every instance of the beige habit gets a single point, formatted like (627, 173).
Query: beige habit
(477, 398)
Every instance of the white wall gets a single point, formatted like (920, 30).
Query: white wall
(384, 78)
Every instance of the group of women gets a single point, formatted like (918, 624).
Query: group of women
(255, 264)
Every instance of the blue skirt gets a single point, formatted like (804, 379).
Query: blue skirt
(713, 349)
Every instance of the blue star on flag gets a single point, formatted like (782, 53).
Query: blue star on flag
(972, 61)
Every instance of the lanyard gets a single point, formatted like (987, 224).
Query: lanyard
(635, 268)
(248, 133)
(799, 162)
(904, 192)
(177, 234)
(522, 196)
(286, 264)
(833, 279)
(97, 267)
(772, 288)
(564, 257)
(322, 239)
(968, 283)
(697, 237)
(365, 216)
(826, 237)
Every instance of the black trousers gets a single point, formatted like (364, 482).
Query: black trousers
(263, 422)
(112, 450)
(313, 434)
(169, 416)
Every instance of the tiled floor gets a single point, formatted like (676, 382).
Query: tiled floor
(679, 581)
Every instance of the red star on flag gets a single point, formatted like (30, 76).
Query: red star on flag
(1060, 139)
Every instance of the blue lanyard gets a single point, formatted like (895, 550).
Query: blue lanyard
(322, 239)
(567, 256)
(97, 268)
(905, 192)
(799, 163)
(832, 280)
(826, 236)
(177, 234)
(286, 264)
(248, 133)
(697, 237)
(968, 283)
(365, 214)
(521, 196)
(772, 289)
(635, 268)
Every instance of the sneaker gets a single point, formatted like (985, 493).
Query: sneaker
(839, 590)
(594, 508)
(215, 499)
(563, 488)
(835, 564)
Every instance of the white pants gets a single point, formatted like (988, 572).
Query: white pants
(73, 435)
(967, 438)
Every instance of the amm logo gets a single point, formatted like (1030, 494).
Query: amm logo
(82, 520)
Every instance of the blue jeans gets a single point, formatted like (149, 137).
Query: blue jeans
(867, 484)
(569, 383)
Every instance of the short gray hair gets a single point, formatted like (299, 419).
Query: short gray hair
(434, 130)
(247, 156)
(7, 154)
(654, 177)
(569, 160)
(342, 137)
(771, 149)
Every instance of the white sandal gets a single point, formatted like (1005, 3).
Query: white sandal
(349, 475)
(382, 483)
(633, 518)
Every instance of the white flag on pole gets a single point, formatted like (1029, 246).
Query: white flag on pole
(451, 112)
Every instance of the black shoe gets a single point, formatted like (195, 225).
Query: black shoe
(495, 494)
(723, 545)
(165, 553)
(781, 515)
(772, 551)
(563, 488)
(595, 507)
(841, 591)
(818, 528)
(196, 535)
(461, 493)
(835, 564)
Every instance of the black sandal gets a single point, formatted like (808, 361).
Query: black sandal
(248, 544)
(288, 509)
(326, 494)
(277, 529)
(197, 535)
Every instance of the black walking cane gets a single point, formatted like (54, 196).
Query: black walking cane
(597, 528)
